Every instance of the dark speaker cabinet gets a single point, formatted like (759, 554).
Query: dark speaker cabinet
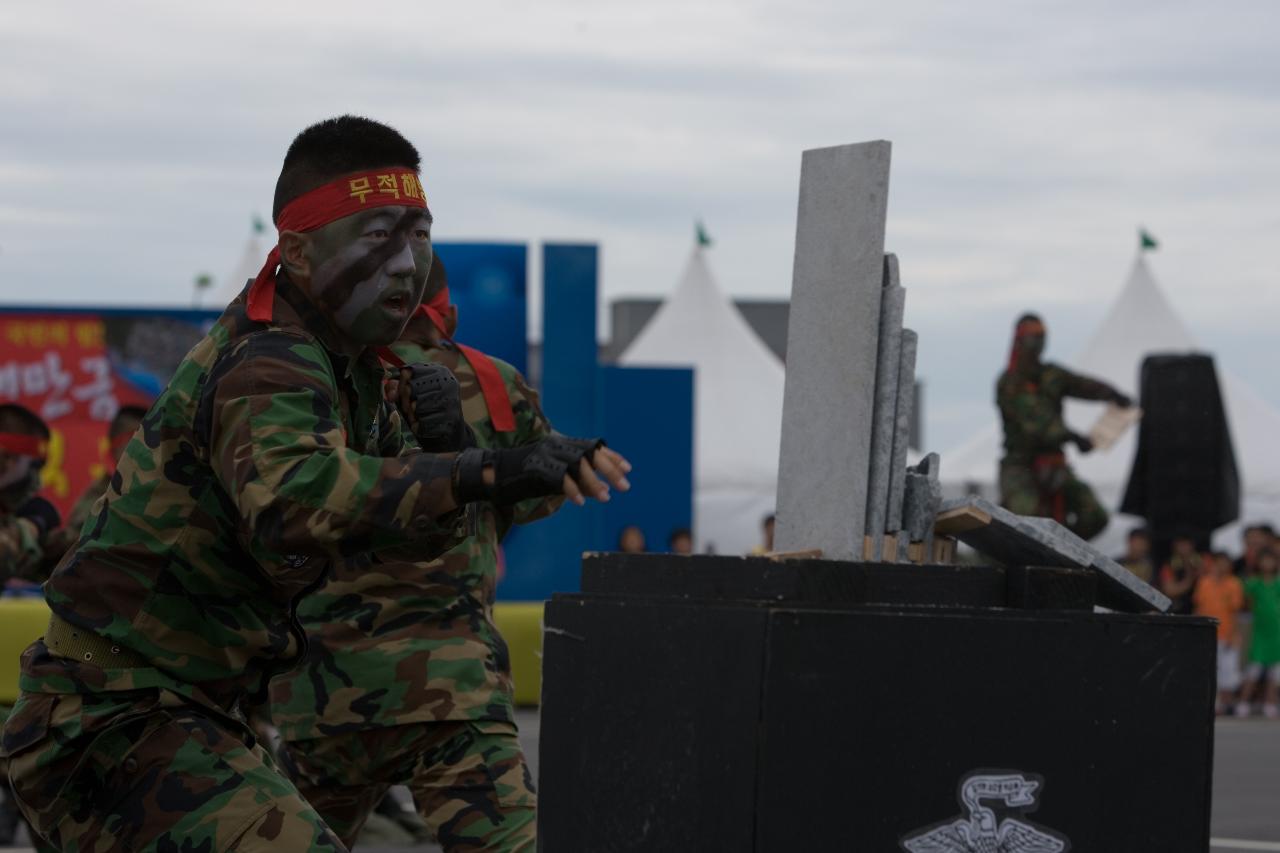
(725, 704)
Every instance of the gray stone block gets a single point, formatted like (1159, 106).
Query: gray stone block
(888, 363)
(832, 339)
(902, 428)
(1027, 541)
(922, 499)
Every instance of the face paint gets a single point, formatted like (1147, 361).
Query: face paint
(369, 272)
(19, 480)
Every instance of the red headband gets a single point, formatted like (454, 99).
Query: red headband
(492, 386)
(329, 203)
(24, 445)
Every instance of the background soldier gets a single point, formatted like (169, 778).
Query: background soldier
(407, 680)
(270, 456)
(1034, 476)
(26, 519)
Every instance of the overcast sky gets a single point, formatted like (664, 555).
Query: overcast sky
(1030, 140)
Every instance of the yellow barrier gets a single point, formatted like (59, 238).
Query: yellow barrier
(22, 622)
(521, 625)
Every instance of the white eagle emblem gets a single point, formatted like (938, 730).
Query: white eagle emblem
(981, 832)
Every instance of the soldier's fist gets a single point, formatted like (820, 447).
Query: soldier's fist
(428, 398)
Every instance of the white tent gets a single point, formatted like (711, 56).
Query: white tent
(1141, 322)
(251, 259)
(738, 405)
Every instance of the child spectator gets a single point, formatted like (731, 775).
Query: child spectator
(1263, 593)
(1257, 538)
(631, 540)
(1137, 556)
(1220, 595)
(1178, 576)
(680, 541)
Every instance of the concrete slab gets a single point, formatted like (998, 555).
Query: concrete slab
(832, 339)
(1026, 541)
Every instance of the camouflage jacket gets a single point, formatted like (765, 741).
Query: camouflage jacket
(21, 551)
(1030, 405)
(268, 458)
(83, 506)
(416, 641)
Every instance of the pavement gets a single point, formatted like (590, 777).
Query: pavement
(1246, 786)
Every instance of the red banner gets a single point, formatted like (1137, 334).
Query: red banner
(63, 367)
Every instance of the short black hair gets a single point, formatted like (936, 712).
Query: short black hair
(22, 421)
(124, 415)
(1140, 531)
(768, 519)
(335, 147)
(1029, 317)
(679, 533)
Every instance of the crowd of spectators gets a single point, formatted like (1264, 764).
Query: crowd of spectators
(1243, 594)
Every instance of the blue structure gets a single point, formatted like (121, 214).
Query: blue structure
(646, 413)
(488, 284)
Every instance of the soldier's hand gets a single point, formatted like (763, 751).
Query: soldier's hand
(1120, 399)
(553, 465)
(604, 463)
(428, 398)
(1082, 441)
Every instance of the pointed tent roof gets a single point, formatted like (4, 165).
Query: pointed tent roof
(738, 380)
(1141, 322)
(251, 259)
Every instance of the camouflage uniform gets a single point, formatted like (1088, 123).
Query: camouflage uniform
(21, 550)
(83, 506)
(268, 458)
(1034, 476)
(407, 680)
(59, 541)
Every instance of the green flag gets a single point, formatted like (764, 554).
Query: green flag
(259, 227)
(704, 239)
(1146, 241)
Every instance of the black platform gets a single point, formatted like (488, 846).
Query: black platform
(726, 704)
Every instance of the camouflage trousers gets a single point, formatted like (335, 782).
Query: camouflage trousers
(469, 781)
(148, 770)
(1026, 491)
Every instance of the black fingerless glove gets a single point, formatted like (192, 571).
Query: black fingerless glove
(1082, 441)
(1120, 399)
(533, 471)
(438, 424)
(42, 513)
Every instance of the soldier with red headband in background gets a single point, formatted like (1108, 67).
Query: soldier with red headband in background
(26, 519)
(1034, 476)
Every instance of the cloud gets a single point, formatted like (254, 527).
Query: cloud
(1030, 141)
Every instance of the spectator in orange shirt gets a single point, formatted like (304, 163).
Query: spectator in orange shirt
(1220, 595)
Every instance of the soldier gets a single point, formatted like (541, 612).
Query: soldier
(407, 680)
(26, 519)
(270, 456)
(1034, 476)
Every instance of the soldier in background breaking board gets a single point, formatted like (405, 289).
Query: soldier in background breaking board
(1034, 476)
